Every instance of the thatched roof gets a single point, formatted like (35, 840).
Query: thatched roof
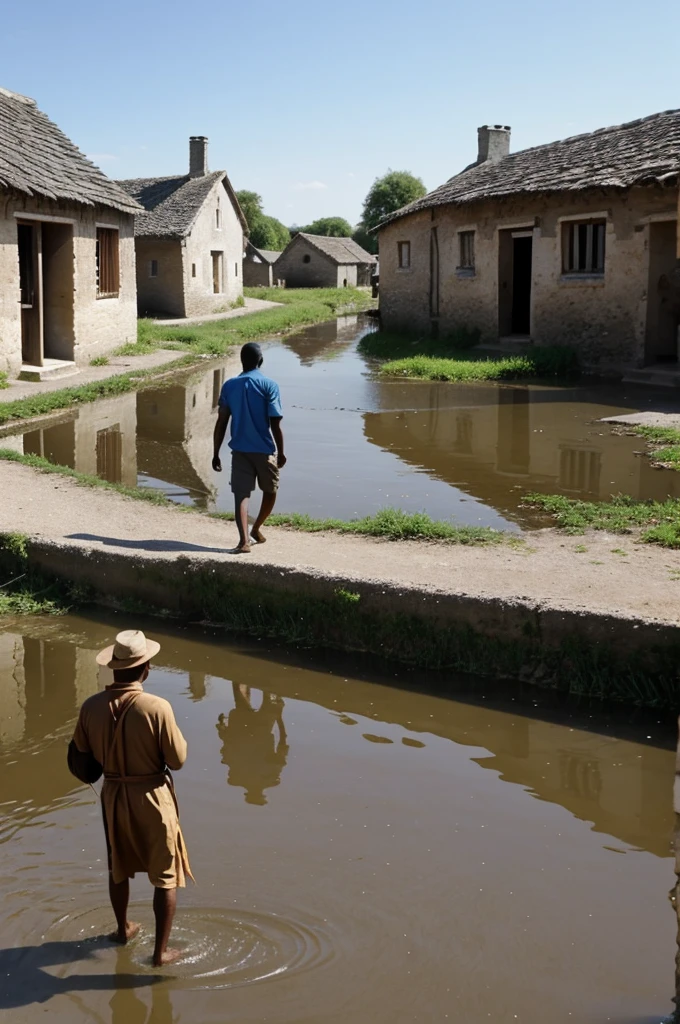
(173, 204)
(642, 152)
(342, 251)
(37, 159)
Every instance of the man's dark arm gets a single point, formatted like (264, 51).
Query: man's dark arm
(277, 434)
(218, 436)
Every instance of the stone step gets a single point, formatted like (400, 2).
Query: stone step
(52, 369)
(657, 376)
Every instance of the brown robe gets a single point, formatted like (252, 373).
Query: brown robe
(134, 735)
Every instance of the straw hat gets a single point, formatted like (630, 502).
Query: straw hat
(130, 649)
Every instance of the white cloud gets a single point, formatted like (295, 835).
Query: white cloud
(309, 186)
(101, 158)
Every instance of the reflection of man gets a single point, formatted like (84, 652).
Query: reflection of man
(253, 403)
(249, 748)
(133, 736)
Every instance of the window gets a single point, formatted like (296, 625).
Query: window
(218, 219)
(153, 268)
(404, 252)
(236, 269)
(583, 247)
(193, 270)
(306, 258)
(109, 454)
(466, 242)
(108, 266)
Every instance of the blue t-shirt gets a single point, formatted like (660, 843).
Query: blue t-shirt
(251, 399)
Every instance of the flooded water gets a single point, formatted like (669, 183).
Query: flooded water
(357, 442)
(363, 853)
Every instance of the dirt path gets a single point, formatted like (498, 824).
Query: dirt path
(89, 374)
(250, 306)
(613, 574)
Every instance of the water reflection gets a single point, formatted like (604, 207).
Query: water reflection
(464, 451)
(254, 756)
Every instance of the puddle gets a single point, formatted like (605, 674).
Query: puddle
(357, 443)
(363, 853)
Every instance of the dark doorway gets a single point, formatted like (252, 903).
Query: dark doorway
(46, 287)
(663, 295)
(29, 282)
(521, 285)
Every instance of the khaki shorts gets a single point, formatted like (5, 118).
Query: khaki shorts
(248, 467)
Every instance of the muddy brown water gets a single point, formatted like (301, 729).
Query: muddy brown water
(357, 442)
(364, 853)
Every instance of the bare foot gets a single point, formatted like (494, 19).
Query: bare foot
(241, 549)
(131, 929)
(258, 536)
(169, 957)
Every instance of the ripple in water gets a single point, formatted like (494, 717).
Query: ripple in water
(220, 948)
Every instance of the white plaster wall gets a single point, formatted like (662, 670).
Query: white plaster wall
(204, 239)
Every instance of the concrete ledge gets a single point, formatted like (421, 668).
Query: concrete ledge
(603, 655)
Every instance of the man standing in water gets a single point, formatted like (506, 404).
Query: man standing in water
(133, 737)
(253, 403)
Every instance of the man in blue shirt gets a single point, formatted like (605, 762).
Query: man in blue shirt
(253, 404)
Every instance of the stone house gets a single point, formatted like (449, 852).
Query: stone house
(189, 240)
(316, 261)
(569, 243)
(258, 266)
(67, 257)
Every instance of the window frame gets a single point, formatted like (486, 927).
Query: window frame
(595, 246)
(153, 268)
(466, 262)
(404, 254)
(112, 274)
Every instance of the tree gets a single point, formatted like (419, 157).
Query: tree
(387, 194)
(332, 227)
(265, 232)
(368, 242)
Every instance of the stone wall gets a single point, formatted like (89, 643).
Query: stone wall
(164, 293)
(78, 325)
(206, 238)
(604, 317)
(256, 275)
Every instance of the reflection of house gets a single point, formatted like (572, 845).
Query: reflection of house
(67, 277)
(258, 266)
(315, 261)
(323, 341)
(97, 439)
(189, 242)
(572, 242)
(514, 439)
(174, 434)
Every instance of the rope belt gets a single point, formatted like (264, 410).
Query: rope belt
(153, 780)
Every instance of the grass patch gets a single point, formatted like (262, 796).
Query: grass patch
(659, 521)
(300, 307)
(663, 444)
(550, 363)
(392, 345)
(4, 382)
(389, 523)
(99, 361)
(65, 398)
(23, 591)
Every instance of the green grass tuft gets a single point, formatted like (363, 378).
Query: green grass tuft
(620, 515)
(523, 367)
(4, 382)
(663, 443)
(99, 361)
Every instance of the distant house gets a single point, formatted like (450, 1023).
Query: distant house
(316, 261)
(568, 243)
(189, 240)
(258, 266)
(67, 259)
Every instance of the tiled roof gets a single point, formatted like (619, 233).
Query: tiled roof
(340, 250)
(263, 255)
(37, 159)
(172, 204)
(643, 152)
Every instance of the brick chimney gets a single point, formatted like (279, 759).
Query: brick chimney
(198, 156)
(493, 143)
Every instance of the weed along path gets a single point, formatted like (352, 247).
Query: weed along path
(596, 612)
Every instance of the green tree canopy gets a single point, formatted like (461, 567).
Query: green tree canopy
(366, 241)
(265, 232)
(389, 193)
(333, 227)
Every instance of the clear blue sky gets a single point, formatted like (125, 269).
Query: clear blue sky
(306, 102)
